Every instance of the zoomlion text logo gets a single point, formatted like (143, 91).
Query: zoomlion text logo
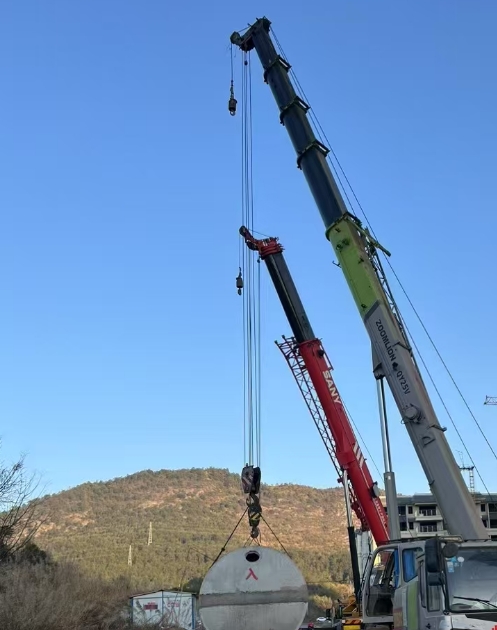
(251, 574)
(332, 387)
(401, 377)
(386, 340)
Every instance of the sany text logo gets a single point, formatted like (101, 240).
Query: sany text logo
(332, 387)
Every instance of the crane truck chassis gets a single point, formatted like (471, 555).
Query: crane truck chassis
(437, 583)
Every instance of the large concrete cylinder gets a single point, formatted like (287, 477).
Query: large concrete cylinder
(254, 588)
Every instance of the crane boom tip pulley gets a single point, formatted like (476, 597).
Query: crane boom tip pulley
(245, 41)
(265, 246)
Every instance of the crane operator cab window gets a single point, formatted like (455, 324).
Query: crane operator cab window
(383, 582)
(472, 579)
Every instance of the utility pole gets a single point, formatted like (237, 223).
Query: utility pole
(130, 556)
(471, 471)
(490, 400)
(150, 533)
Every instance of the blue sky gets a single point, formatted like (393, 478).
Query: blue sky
(120, 207)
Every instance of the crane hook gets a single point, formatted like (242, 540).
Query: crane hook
(239, 281)
(232, 101)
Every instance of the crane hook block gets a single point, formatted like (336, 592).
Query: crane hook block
(239, 282)
(251, 479)
(232, 105)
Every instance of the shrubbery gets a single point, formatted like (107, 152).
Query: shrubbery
(43, 595)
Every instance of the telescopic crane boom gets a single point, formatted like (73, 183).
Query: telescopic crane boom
(356, 251)
(347, 454)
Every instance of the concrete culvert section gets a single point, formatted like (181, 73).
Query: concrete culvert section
(253, 588)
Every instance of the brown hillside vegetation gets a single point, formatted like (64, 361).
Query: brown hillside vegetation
(39, 594)
(45, 597)
(193, 512)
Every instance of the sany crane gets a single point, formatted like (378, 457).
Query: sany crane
(313, 372)
(439, 581)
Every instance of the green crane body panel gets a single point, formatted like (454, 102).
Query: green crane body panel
(359, 273)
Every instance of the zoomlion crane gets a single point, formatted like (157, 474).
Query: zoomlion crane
(441, 582)
(313, 372)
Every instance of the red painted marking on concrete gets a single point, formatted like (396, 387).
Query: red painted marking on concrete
(252, 574)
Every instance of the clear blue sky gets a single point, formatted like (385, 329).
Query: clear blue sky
(120, 208)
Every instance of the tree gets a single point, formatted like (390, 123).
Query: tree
(19, 516)
(32, 554)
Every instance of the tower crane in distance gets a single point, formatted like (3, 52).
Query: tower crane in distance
(313, 373)
(443, 582)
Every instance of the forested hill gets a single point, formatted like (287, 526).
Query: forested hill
(192, 514)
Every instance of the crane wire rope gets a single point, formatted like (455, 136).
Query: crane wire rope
(274, 534)
(364, 444)
(251, 316)
(243, 250)
(322, 136)
(243, 255)
(223, 548)
(252, 286)
(446, 408)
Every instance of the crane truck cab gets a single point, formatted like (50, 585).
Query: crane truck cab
(441, 583)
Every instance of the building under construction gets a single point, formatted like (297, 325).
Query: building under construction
(420, 515)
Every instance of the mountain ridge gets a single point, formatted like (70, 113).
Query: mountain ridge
(193, 512)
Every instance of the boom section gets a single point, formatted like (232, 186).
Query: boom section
(347, 450)
(271, 252)
(311, 154)
(353, 247)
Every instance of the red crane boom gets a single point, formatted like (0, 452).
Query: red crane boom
(313, 372)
